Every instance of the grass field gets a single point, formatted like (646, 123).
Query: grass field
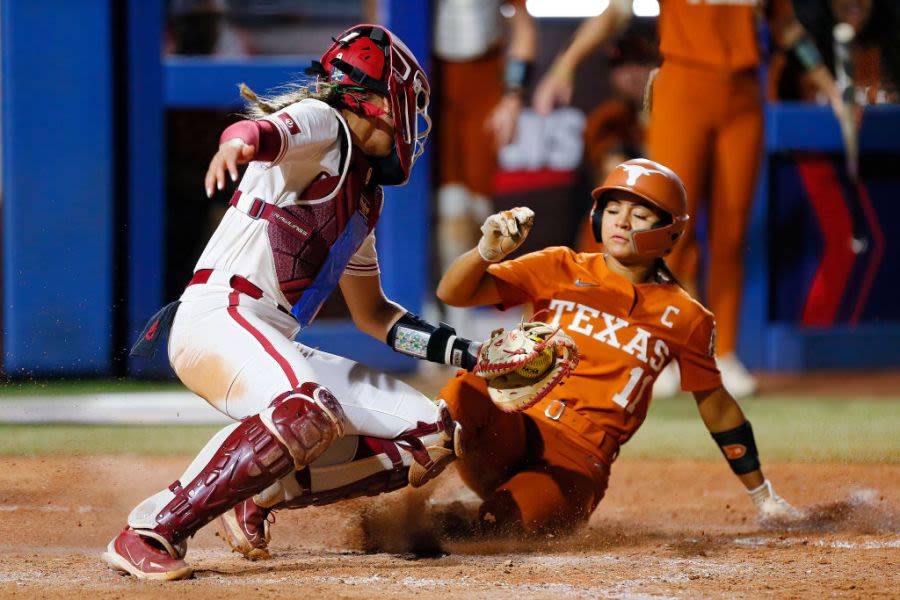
(56, 387)
(788, 429)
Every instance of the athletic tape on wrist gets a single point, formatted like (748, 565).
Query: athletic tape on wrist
(413, 336)
(739, 448)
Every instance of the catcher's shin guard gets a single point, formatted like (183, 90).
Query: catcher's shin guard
(290, 434)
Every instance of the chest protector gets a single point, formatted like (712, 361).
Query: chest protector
(312, 242)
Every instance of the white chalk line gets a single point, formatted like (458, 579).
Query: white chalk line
(838, 544)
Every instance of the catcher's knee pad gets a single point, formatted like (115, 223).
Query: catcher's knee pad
(306, 420)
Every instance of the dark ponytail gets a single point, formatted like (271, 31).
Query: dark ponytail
(664, 274)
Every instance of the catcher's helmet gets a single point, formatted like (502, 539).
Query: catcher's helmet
(659, 186)
(372, 57)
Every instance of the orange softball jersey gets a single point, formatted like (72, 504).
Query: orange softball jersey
(719, 34)
(626, 335)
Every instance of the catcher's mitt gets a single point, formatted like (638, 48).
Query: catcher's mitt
(523, 364)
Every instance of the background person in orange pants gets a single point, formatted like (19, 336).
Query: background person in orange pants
(483, 62)
(706, 123)
(545, 469)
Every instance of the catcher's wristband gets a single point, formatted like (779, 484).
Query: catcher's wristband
(262, 134)
(416, 337)
(739, 448)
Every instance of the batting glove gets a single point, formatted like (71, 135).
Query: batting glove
(503, 232)
(771, 506)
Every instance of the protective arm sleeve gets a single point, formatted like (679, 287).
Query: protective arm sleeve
(261, 134)
(416, 337)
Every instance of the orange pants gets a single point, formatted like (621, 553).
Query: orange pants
(531, 476)
(467, 93)
(707, 126)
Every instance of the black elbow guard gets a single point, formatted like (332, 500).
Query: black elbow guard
(416, 337)
(739, 448)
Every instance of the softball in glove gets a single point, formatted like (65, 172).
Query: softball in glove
(523, 364)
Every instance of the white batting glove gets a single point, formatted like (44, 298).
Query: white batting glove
(771, 506)
(503, 232)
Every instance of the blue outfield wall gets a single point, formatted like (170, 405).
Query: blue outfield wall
(57, 187)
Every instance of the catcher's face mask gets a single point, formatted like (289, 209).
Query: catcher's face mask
(371, 57)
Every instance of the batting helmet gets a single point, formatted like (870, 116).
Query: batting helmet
(657, 185)
(371, 57)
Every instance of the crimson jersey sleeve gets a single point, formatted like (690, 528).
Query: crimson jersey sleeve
(697, 360)
(525, 278)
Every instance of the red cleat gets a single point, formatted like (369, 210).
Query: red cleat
(136, 555)
(246, 529)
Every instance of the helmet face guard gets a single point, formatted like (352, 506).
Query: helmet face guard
(655, 184)
(371, 57)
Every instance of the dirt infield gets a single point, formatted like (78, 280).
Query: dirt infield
(665, 530)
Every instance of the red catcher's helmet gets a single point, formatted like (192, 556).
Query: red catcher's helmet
(657, 185)
(372, 57)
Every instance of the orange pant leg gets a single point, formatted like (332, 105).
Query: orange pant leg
(738, 151)
(708, 128)
(469, 91)
(556, 492)
(493, 441)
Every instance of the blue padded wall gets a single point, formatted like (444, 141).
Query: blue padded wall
(58, 192)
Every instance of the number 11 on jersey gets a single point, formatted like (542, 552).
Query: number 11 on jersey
(624, 397)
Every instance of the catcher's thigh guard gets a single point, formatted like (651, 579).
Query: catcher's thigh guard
(253, 455)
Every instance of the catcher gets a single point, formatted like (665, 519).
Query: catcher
(310, 427)
(546, 467)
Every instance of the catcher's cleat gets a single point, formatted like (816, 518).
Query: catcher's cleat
(440, 455)
(136, 555)
(245, 528)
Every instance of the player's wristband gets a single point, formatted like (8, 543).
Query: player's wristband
(739, 448)
(262, 134)
(806, 52)
(416, 337)
(517, 74)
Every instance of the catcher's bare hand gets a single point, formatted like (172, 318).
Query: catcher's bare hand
(232, 153)
(503, 232)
